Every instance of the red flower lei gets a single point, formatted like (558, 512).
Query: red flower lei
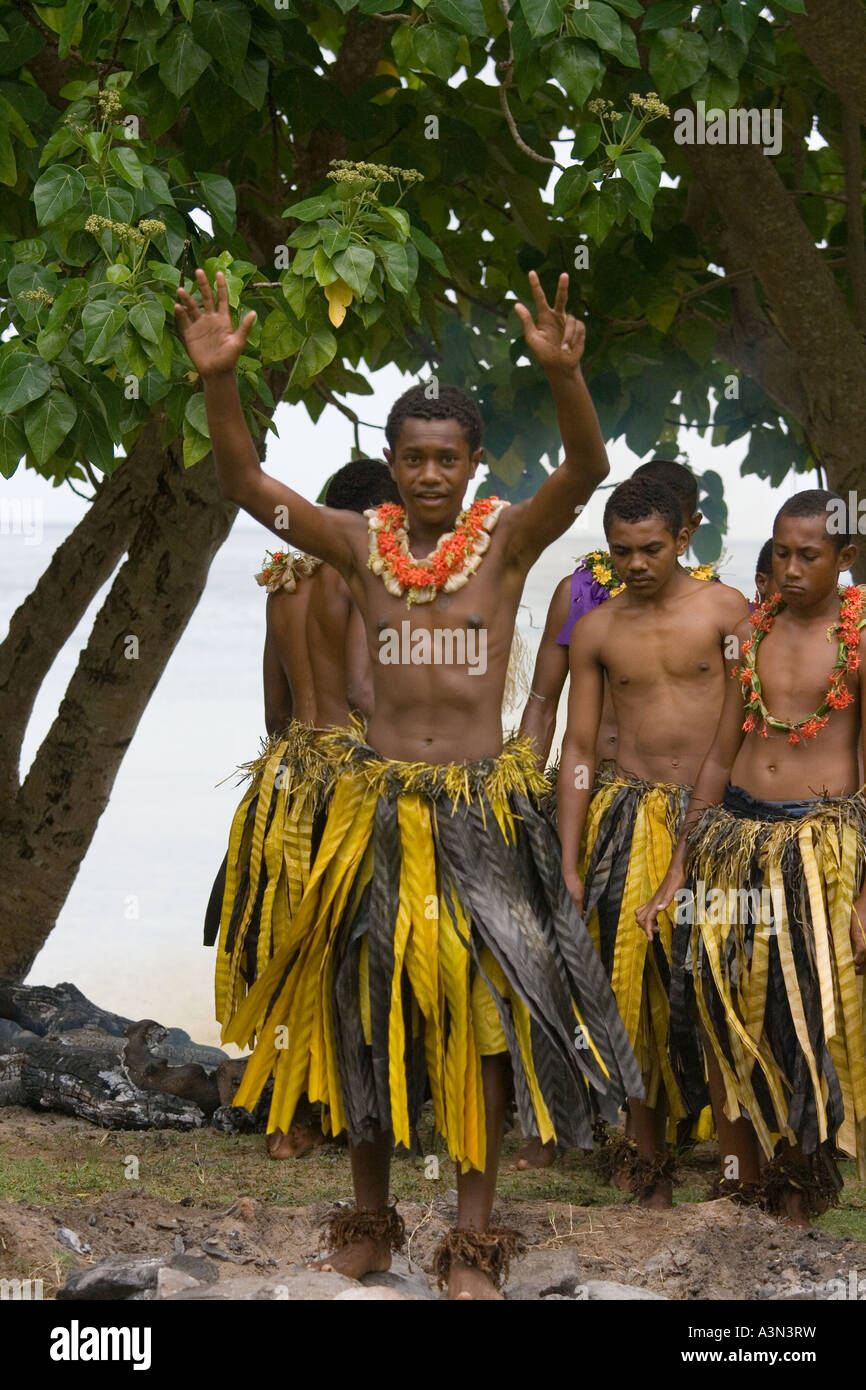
(838, 696)
(456, 557)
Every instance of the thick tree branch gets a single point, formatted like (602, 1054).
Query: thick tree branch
(852, 154)
(833, 37)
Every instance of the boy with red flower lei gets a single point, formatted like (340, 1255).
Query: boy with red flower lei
(431, 795)
(778, 815)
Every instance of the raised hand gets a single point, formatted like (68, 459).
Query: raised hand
(556, 339)
(213, 344)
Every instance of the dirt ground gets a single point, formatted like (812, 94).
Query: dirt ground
(159, 1192)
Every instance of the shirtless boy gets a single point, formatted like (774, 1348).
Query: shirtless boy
(435, 937)
(661, 646)
(773, 848)
(316, 671)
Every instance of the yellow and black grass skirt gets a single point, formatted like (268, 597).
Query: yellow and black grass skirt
(768, 965)
(629, 837)
(436, 929)
(271, 848)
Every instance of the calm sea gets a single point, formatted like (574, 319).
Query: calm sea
(130, 933)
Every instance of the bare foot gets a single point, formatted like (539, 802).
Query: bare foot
(795, 1213)
(534, 1154)
(363, 1256)
(299, 1140)
(660, 1197)
(467, 1282)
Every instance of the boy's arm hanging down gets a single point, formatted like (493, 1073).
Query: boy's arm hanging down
(577, 762)
(556, 339)
(551, 669)
(214, 347)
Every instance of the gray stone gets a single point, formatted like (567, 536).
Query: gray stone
(198, 1267)
(13, 1032)
(292, 1285)
(71, 1240)
(607, 1291)
(404, 1279)
(116, 1277)
(544, 1272)
(372, 1293)
(171, 1281)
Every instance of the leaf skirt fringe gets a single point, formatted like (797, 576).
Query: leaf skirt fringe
(271, 848)
(767, 965)
(631, 829)
(435, 929)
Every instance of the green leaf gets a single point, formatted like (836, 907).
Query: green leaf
(224, 30)
(661, 308)
(251, 81)
(586, 139)
(319, 349)
(26, 276)
(570, 188)
(181, 60)
(195, 446)
(334, 237)
(598, 213)
(13, 445)
(668, 13)
(429, 250)
(127, 164)
(73, 12)
(727, 52)
(117, 204)
(355, 266)
(195, 414)
(542, 16)
(677, 59)
(740, 19)
(51, 342)
(148, 320)
(465, 15)
(643, 173)
(324, 272)
(716, 90)
(117, 274)
(603, 25)
(167, 274)
(72, 293)
(396, 263)
(398, 218)
(280, 337)
(102, 321)
(295, 292)
(221, 199)
(47, 422)
(24, 377)
(309, 209)
(577, 68)
(56, 192)
(96, 143)
(31, 249)
(156, 183)
(707, 543)
(436, 49)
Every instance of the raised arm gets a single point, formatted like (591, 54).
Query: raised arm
(709, 789)
(577, 761)
(551, 669)
(556, 339)
(214, 347)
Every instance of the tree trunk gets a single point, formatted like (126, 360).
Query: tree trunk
(47, 826)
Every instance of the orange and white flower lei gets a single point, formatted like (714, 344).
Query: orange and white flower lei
(447, 568)
(281, 569)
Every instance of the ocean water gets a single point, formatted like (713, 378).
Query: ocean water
(129, 935)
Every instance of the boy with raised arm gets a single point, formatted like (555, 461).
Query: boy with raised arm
(660, 644)
(774, 845)
(435, 938)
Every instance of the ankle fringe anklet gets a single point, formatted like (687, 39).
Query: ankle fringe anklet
(347, 1226)
(647, 1173)
(490, 1251)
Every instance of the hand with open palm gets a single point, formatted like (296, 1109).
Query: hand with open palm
(213, 344)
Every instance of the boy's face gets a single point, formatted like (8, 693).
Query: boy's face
(431, 463)
(806, 563)
(645, 553)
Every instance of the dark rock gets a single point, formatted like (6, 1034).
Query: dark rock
(197, 1267)
(13, 1032)
(116, 1277)
(42, 1009)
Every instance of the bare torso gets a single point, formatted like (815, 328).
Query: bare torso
(793, 663)
(666, 673)
(438, 711)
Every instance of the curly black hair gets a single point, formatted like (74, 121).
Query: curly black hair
(448, 403)
(637, 498)
(764, 563)
(818, 501)
(361, 484)
(676, 476)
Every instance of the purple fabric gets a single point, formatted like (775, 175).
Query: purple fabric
(586, 594)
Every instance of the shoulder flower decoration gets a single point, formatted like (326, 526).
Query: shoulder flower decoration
(847, 633)
(456, 557)
(600, 566)
(281, 569)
